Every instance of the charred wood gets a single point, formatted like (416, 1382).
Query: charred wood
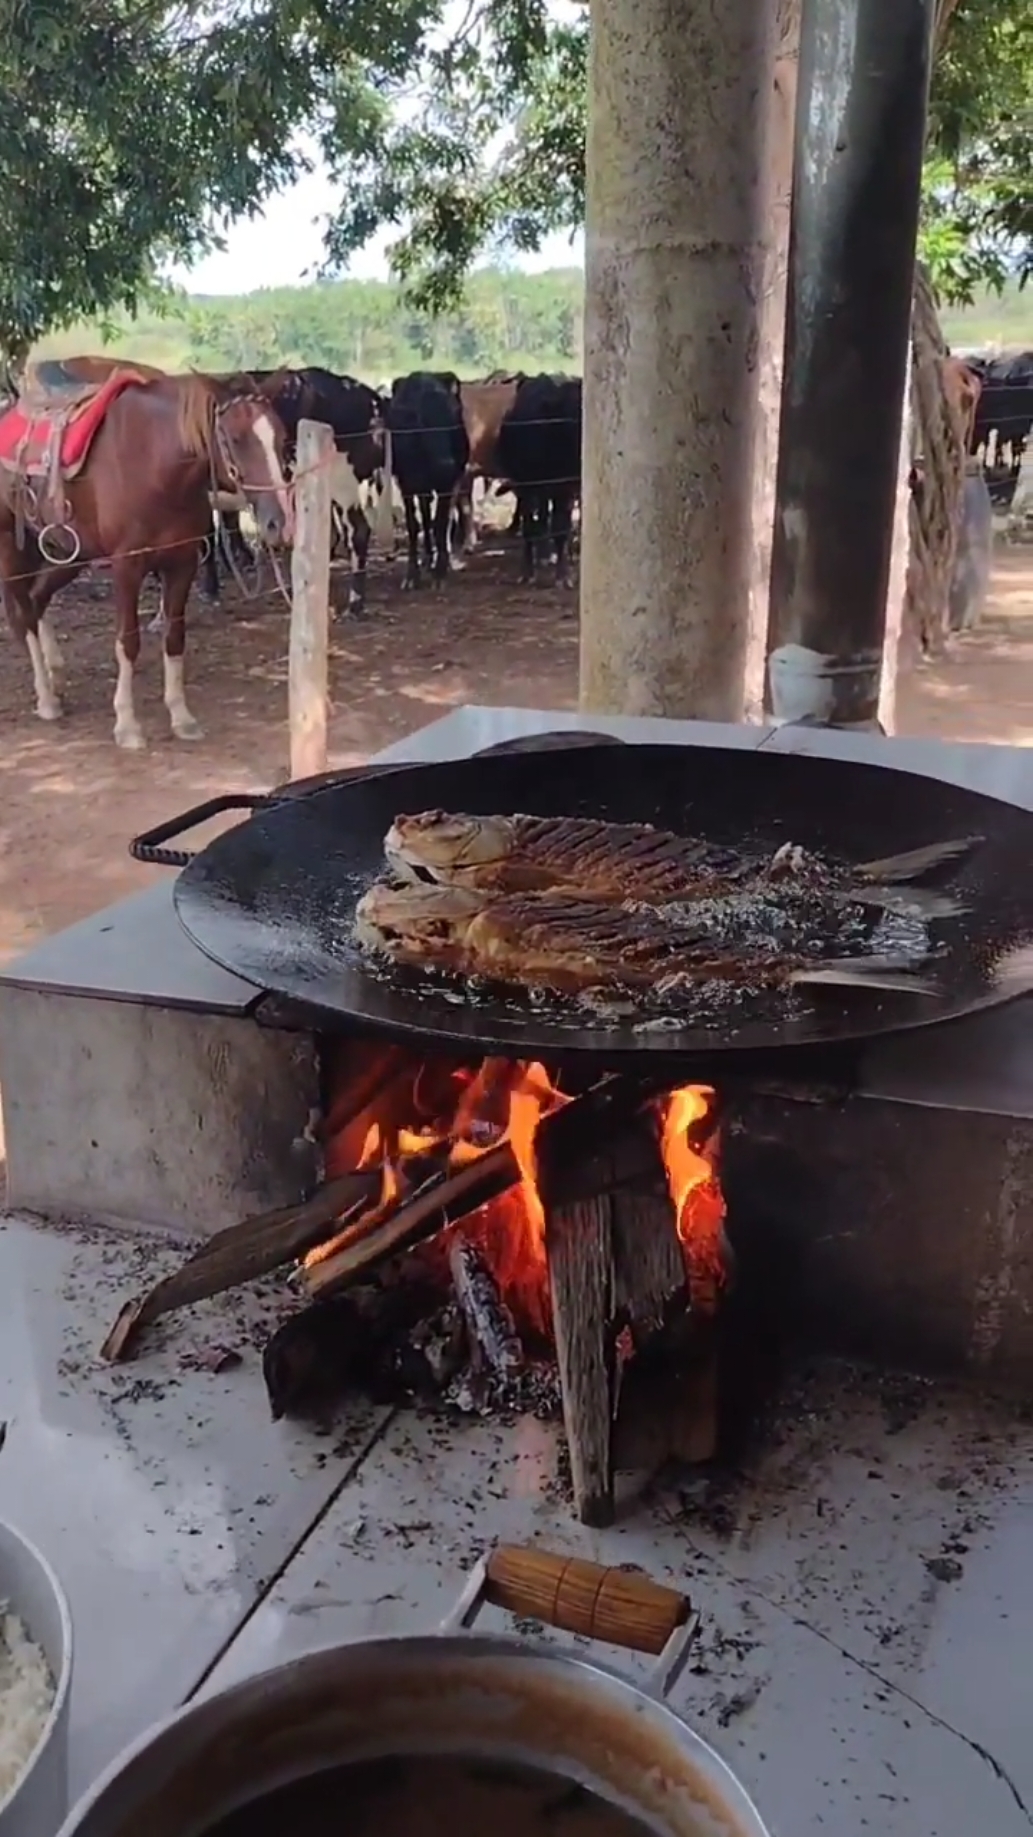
(240, 1254)
(490, 1327)
(352, 1344)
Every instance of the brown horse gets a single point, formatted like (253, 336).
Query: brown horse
(141, 502)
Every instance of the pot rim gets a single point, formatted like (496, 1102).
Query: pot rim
(9, 1534)
(744, 1819)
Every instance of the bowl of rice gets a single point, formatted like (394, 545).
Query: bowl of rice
(35, 1676)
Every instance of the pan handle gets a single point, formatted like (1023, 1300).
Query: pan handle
(148, 847)
(621, 1606)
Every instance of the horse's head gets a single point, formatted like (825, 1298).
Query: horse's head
(249, 458)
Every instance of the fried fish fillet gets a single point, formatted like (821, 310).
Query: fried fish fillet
(597, 860)
(569, 944)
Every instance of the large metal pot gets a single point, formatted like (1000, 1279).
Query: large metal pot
(31, 1590)
(449, 1693)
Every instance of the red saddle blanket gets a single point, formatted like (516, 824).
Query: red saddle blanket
(77, 437)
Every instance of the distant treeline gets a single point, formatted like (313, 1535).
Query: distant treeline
(508, 320)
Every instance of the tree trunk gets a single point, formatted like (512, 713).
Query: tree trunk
(772, 348)
(927, 521)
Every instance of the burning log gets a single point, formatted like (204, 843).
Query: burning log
(489, 1323)
(445, 1197)
(615, 1262)
(564, 1136)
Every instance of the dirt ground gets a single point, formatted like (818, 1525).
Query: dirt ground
(71, 801)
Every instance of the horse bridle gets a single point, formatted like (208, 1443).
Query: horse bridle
(227, 458)
(224, 446)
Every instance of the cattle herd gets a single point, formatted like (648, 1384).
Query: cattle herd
(1002, 420)
(431, 438)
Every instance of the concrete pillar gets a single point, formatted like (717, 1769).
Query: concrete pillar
(679, 96)
(860, 128)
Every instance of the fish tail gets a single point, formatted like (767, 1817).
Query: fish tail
(1013, 972)
(918, 902)
(917, 861)
(866, 973)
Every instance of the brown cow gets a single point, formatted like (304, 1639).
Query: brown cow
(485, 406)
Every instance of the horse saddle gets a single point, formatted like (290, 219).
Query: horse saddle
(47, 433)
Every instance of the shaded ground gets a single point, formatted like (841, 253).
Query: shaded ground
(71, 801)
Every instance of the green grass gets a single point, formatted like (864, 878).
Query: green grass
(1006, 321)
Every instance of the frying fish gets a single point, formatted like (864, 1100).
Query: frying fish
(570, 944)
(597, 860)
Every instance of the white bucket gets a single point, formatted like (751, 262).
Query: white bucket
(30, 1589)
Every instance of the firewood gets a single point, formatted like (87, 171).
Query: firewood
(579, 1247)
(614, 1261)
(563, 1137)
(240, 1254)
(668, 1401)
(489, 1324)
(444, 1198)
(341, 1344)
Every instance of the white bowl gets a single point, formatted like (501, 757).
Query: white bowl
(32, 1591)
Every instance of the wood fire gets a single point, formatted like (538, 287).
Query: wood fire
(496, 1236)
(501, 1103)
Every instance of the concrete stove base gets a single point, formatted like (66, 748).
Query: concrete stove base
(895, 1232)
(138, 1088)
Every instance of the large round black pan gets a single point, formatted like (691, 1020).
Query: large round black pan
(273, 900)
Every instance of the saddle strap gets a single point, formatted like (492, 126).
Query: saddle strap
(57, 502)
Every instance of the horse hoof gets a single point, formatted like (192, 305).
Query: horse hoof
(130, 739)
(49, 711)
(188, 730)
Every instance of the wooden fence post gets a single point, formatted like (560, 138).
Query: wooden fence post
(308, 670)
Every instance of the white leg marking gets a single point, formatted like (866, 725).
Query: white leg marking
(47, 705)
(183, 724)
(52, 653)
(128, 732)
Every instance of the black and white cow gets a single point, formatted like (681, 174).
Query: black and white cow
(356, 414)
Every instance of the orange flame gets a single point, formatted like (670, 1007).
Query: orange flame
(695, 1192)
(505, 1101)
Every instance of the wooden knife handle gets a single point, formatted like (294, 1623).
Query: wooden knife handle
(618, 1605)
